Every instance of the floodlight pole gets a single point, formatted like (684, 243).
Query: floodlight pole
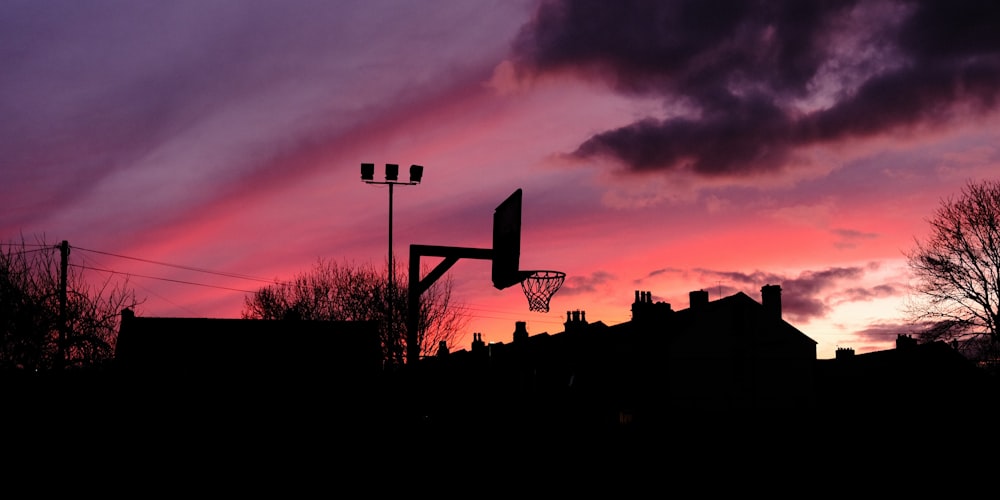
(391, 176)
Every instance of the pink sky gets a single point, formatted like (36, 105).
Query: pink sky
(664, 147)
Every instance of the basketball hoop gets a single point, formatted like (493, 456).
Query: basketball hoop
(540, 286)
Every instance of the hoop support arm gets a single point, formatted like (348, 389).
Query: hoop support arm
(418, 286)
(451, 256)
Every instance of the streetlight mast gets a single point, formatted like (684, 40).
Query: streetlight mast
(391, 179)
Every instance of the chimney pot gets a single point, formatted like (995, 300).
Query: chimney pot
(520, 331)
(770, 296)
(698, 298)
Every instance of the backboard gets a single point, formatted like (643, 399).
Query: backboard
(507, 242)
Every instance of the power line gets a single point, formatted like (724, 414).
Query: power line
(161, 278)
(25, 252)
(96, 262)
(473, 310)
(186, 268)
(40, 245)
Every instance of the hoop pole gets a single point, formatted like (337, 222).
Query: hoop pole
(412, 309)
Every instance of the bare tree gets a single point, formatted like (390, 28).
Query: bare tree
(36, 332)
(958, 271)
(349, 292)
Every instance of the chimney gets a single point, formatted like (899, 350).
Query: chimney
(643, 309)
(442, 349)
(905, 342)
(698, 298)
(845, 353)
(520, 331)
(477, 341)
(637, 306)
(575, 320)
(771, 298)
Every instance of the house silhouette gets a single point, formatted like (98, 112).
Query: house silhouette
(912, 380)
(714, 381)
(733, 354)
(269, 372)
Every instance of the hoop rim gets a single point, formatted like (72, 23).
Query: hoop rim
(542, 274)
(539, 286)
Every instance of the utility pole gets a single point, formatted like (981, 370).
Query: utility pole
(63, 330)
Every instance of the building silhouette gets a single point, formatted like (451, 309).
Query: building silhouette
(733, 354)
(912, 380)
(727, 375)
(269, 373)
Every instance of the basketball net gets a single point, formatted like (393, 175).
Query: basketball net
(540, 286)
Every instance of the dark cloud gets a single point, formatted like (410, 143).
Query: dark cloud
(656, 272)
(576, 285)
(864, 294)
(746, 68)
(885, 332)
(853, 234)
(850, 237)
(802, 297)
(750, 136)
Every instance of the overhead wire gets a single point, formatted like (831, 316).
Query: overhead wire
(184, 282)
(25, 252)
(103, 268)
(183, 267)
(40, 245)
(85, 257)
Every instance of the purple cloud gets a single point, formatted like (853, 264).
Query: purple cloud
(764, 79)
(885, 332)
(577, 285)
(803, 297)
(857, 294)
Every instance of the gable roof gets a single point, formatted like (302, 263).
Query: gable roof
(737, 312)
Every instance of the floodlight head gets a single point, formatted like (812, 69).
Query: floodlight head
(391, 171)
(367, 171)
(416, 173)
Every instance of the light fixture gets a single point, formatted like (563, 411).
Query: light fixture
(367, 171)
(416, 172)
(391, 171)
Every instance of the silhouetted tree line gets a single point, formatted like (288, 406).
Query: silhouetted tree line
(52, 318)
(341, 291)
(47, 326)
(958, 271)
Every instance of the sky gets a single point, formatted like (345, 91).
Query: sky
(204, 149)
